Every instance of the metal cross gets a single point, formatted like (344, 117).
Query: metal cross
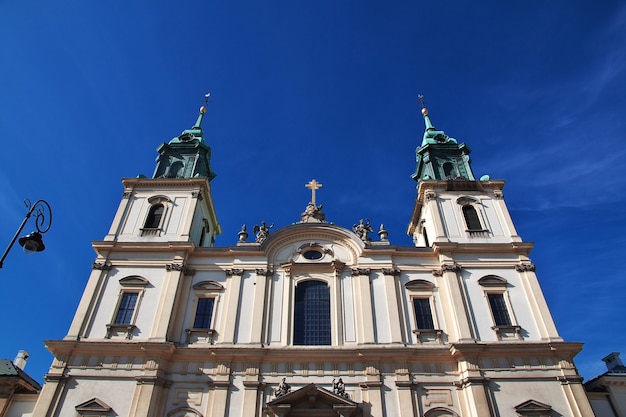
(313, 185)
(422, 102)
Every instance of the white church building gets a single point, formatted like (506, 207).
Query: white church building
(312, 319)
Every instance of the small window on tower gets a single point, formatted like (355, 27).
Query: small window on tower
(448, 170)
(204, 313)
(423, 314)
(471, 218)
(153, 221)
(498, 309)
(126, 308)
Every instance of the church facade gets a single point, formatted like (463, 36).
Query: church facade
(312, 319)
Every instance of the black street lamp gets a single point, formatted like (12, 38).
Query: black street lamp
(32, 242)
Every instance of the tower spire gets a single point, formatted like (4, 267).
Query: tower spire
(429, 125)
(198, 125)
(186, 155)
(439, 156)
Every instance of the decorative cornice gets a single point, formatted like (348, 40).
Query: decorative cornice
(102, 266)
(524, 267)
(391, 271)
(234, 271)
(55, 378)
(150, 380)
(254, 384)
(360, 271)
(219, 384)
(570, 379)
(370, 384)
(472, 380)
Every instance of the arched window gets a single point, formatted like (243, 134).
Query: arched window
(471, 218)
(312, 314)
(448, 169)
(153, 221)
(176, 170)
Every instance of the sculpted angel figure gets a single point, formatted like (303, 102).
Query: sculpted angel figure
(362, 229)
(262, 232)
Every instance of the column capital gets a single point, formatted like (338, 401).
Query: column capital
(266, 272)
(524, 267)
(361, 271)
(447, 267)
(102, 266)
(181, 268)
(391, 271)
(234, 271)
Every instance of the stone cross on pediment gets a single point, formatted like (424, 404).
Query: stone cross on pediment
(313, 185)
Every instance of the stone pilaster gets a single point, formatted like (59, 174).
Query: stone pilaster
(259, 318)
(50, 395)
(365, 315)
(391, 277)
(228, 327)
(455, 307)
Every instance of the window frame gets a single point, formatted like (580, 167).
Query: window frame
(496, 285)
(330, 323)
(430, 317)
(467, 203)
(425, 290)
(133, 284)
(203, 290)
(154, 202)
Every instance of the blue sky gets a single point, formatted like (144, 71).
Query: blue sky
(323, 90)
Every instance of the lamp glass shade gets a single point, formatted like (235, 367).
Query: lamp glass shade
(32, 243)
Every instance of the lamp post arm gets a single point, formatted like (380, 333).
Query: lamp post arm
(6, 252)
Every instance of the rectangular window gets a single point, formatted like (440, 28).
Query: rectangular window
(204, 313)
(126, 308)
(423, 314)
(499, 310)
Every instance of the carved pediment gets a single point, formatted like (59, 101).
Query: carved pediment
(492, 281)
(419, 285)
(94, 405)
(208, 286)
(533, 408)
(134, 281)
(311, 397)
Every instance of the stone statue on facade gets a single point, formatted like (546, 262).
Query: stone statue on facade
(262, 232)
(339, 388)
(283, 388)
(362, 229)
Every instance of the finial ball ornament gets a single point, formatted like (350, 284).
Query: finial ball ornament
(202, 109)
(425, 111)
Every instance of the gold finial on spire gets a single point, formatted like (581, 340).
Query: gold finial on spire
(423, 104)
(206, 102)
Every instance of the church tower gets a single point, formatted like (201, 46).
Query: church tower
(312, 318)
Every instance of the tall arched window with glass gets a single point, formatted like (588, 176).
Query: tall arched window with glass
(312, 314)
